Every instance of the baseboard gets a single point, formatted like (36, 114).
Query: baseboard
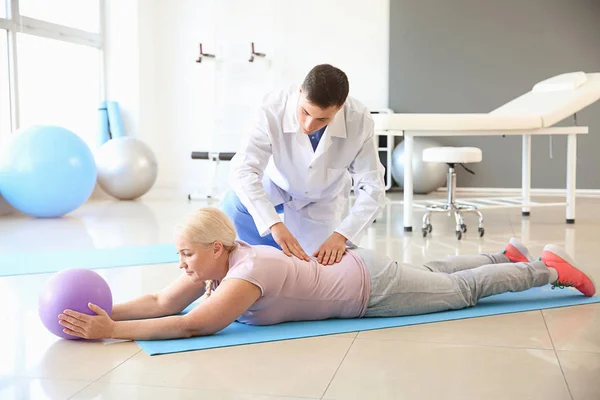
(157, 192)
(517, 191)
(166, 192)
(99, 194)
(6, 208)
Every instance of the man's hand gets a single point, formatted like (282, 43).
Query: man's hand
(332, 250)
(287, 241)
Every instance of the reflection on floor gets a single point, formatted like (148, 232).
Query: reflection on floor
(550, 354)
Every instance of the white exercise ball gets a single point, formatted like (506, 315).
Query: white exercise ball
(127, 168)
(427, 176)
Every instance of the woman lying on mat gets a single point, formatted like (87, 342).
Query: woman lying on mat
(260, 285)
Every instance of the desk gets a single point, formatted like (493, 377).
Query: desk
(383, 128)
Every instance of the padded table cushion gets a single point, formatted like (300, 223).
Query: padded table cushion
(454, 155)
(549, 102)
(455, 122)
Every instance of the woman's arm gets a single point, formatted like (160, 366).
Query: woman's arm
(223, 307)
(169, 301)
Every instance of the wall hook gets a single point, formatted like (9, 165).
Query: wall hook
(202, 54)
(254, 53)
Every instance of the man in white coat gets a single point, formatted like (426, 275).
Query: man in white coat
(300, 158)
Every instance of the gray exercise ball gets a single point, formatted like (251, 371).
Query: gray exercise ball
(427, 176)
(127, 168)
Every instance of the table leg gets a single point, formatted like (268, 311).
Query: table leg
(389, 153)
(526, 175)
(408, 182)
(571, 176)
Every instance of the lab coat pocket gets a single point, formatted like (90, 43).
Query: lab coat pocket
(334, 174)
(331, 210)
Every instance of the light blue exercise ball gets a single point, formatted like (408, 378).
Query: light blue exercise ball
(47, 171)
(427, 176)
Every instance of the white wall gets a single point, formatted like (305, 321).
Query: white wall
(122, 76)
(350, 34)
(178, 101)
(177, 105)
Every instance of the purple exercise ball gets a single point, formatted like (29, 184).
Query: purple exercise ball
(72, 289)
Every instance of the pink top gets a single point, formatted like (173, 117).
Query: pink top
(296, 290)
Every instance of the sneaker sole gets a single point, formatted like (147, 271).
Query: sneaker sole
(565, 256)
(517, 244)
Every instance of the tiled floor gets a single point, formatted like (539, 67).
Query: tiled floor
(550, 354)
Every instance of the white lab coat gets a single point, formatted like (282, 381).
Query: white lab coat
(277, 165)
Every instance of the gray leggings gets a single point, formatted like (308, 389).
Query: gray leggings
(452, 283)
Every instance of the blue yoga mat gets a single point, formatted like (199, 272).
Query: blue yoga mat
(240, 334)
(54, 261)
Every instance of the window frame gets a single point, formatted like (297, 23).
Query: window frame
(16, 23)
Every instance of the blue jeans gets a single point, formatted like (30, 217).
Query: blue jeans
(243, 221)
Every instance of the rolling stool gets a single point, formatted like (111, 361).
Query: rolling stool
(452, 156)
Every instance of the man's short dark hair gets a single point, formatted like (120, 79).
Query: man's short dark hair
(326, 86)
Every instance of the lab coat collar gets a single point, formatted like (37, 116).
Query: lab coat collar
(337, 127)
(290, 116)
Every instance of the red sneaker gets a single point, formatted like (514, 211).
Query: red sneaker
(568, 274)
(516, 251)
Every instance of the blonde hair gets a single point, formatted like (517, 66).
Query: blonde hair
(206, 226)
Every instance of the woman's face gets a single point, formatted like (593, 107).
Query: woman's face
(201, 262)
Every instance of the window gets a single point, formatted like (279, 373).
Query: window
(58, 75)
(4, 90)
(79, 14)
(59, 84)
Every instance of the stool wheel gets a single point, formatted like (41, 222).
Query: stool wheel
(463, 228)
(427, 229)
(481, 232)
(458, 235)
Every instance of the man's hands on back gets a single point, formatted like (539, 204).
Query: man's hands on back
(332, 250)
(288, 243)
(329, 253)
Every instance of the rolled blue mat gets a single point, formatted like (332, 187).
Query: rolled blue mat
(103, 134)
(115, 123)
(22, 263)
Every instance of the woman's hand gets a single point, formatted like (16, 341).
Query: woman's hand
(86, 326)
